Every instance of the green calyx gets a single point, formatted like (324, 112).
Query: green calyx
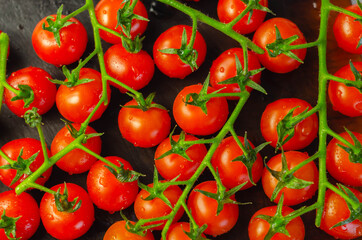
(62, 202)
(133, 45)
(33, 118)
(9, 225)
(26, 94)
(355, 154)
(75, 133)
(144, 103)
(358, 78)
(72, 77)
(196, 231)
(124, 175)
(255, 5)
(136, 228)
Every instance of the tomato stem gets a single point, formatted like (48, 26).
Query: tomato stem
(3, 155)
(341, 193)
(43, 143)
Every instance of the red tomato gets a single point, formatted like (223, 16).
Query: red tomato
(146, 209)
(37, 79)
(30, 147)
(143, 128)
(106, 191)
(65, 225)
(175, 165)
(305, 131)
(73, 42)
(204, 209)
(228, 10)
(192, 119)
(224, 67)
(346, 100)
(335, 211)
(177, 231)
(258, 228)
(76, 103)
(235, 173)
(23, 206)
(76, 161)
(106, 14)
(118, 231)
(133, 69)
(308, 173)
(171, 64)
(265, 34)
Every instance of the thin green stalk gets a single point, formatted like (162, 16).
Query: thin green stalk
(302, 46)
(3, 155)
(240, 144)
(76, 12)
(41, 188)
(341, 193)
(310, 208)
(43, 143)
(4, 46)
(341, 139)
(190, 45)
(342, 10)
(81, 147)
(338, 79)
(305, 162)
(240, 16)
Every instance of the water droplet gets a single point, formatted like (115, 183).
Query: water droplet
(284, 106)
(104, 11)
(358, 106)
(50, 217)
(222, 69)
(130, 118)
(20, 27)
(339, 93)
(101, 181)
(232, 6)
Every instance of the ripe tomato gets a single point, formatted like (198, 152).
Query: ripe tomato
(143, 128)
(37, 79)
(346, 100)
(146, 209)
(175, 165)
(76, 103)
(118, 231)
(66, 225)
(23, 206)
(265, 34)
(177, 231)
(258, 228)
(227, 10)
(224, 67)
(76, 161)
(192, 119)
(106, 14)
(335, 211)
(73, 42)
(133, 69)
(171, 64)
(204, 209)
(309, 173)
(235, 173)
(106, 191)
(12, 149)
(305, 131)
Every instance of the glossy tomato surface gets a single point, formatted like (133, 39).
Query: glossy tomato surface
(178, 231)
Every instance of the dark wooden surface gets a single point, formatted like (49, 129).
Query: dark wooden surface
(18, 18)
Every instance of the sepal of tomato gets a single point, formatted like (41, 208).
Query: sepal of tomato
(119, 231)
(185, 231)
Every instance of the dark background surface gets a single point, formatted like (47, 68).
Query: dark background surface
(18, 18)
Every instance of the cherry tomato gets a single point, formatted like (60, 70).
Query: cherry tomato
(73, 42)
(309, 173)
(204, 209)
(192, 119)
(228, 10)
(106, 14)
(23, 206)
(235, 173)
(76, 103)
(175, 165)
(76, 161)
(335, 211)
(258, 228)
(265, 34)
(171, 64)
(106, 191)
(346, 100)
(66, 225)
(37, 79)
(118, 231)
(133, 69)
(177, 231)
(12, 149)
(305, 131)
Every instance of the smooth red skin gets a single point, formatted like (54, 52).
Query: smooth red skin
(118, 231)
(339, 164)
(106, 14)
(73, 42)
(64, 225)
(174, 165)
(347, 31)
(37, 79)
(309, 172)
(177, 231)
(258, 228)
(106, 191)
(235, 173)
(23, 206)
(76, 161)
(224, 67)
(265, 34)
(171, 64)
(228, 10)
(133, 69)
(30, 147)
(344, 99)
(192, 119)
(305, 131)
(146, 209)
(335, 211)
(143, 128)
